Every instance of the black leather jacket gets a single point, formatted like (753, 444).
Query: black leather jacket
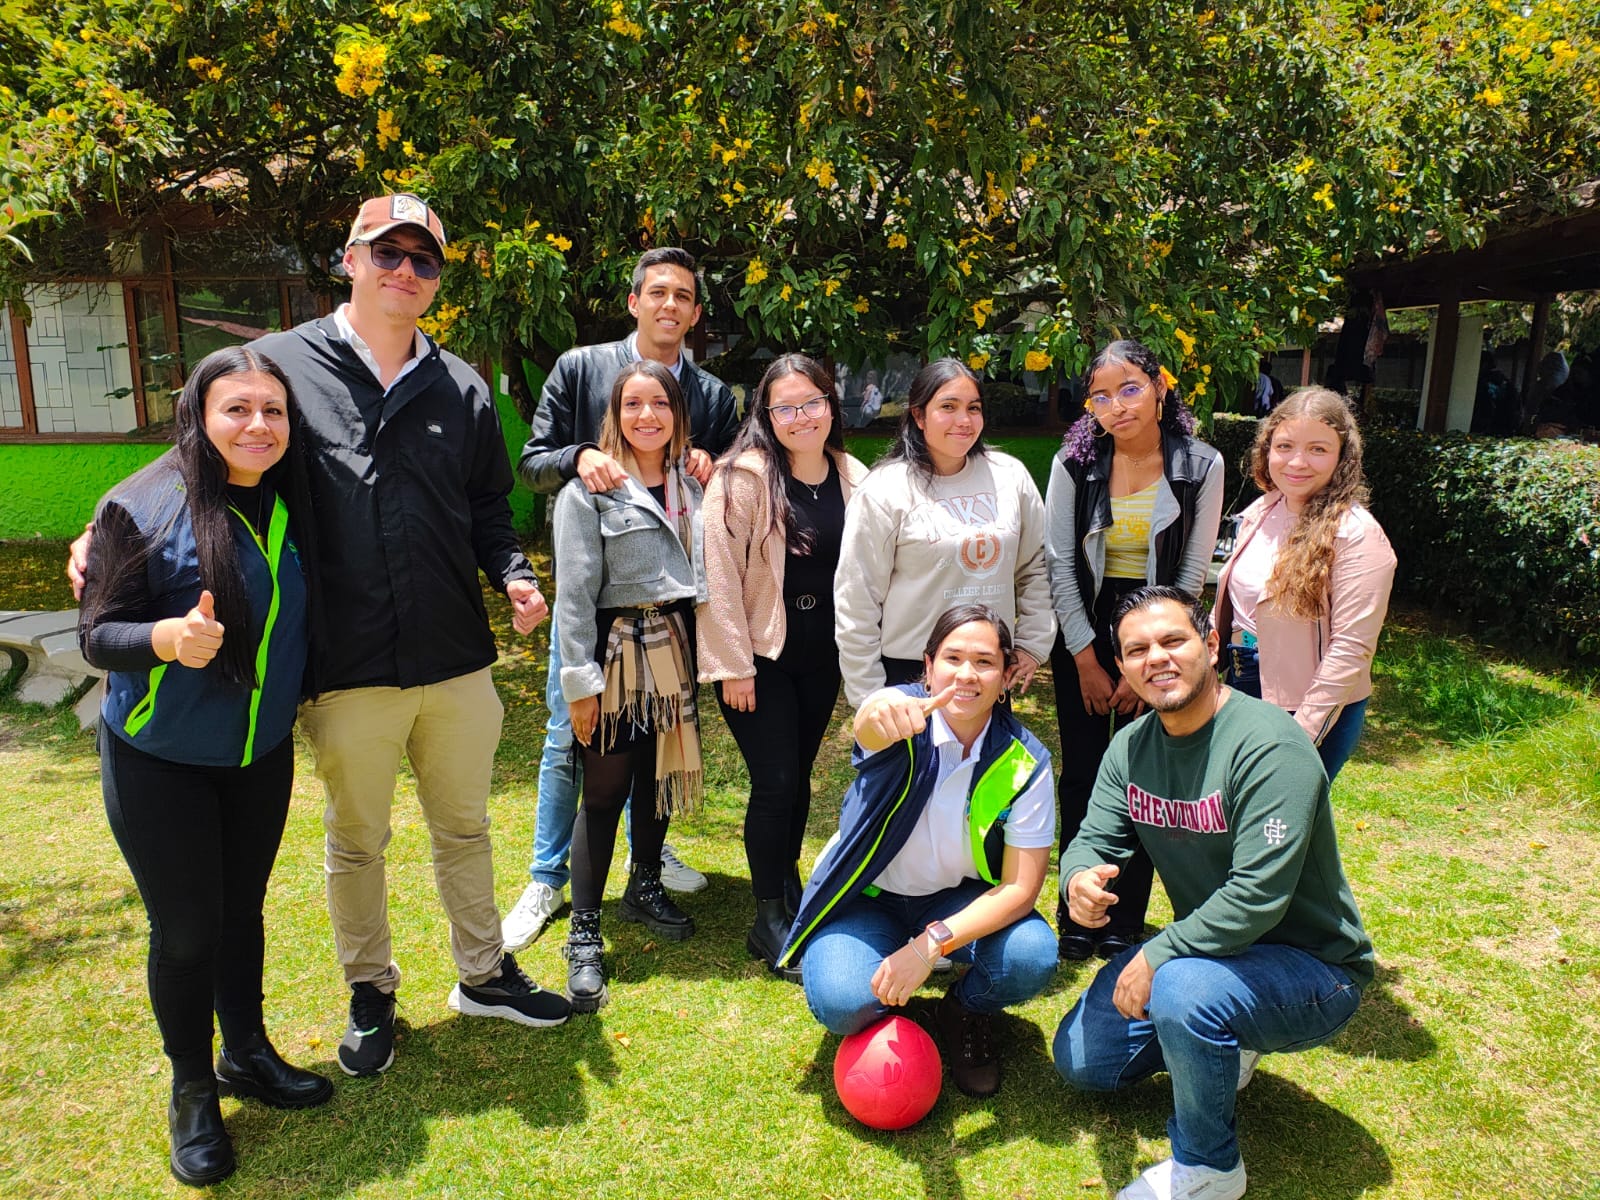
(572, 404)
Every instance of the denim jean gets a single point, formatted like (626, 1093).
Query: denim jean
(1010, 966)
(1202, 1012)
(559, 781)
(1243, 672)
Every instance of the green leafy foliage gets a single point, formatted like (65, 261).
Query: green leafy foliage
(1011, 182)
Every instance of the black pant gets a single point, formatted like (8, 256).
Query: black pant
(608, 781)
(795, 697)
(1084, 738)
(200, 842)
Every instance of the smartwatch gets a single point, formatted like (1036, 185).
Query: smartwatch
(942, 937)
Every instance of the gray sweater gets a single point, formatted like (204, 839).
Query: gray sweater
(617, 549)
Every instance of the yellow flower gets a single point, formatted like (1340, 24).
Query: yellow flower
(966, 266)
(1185, 341)
(454, 253)
(360, 67)
(388, 128)
(897, 241)
(1168, 378)
(1304, 165)
(621, 24)
(1035, 121)
(1324, 194)
(862, 304)
(729, 199)
(1037, 360)
(978, 361)
(361, 159)
(1491, 97)
(560, 243)
(214, 74)
(830, 286)
(860, 93)
(832, 18)
(755, 272)
(1198, 390)
(1029, 161)
(981, 312)
(786, 292)
(408, 148)
(821, 170)
(421, 15)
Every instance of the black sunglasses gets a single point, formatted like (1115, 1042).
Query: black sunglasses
(386, 256)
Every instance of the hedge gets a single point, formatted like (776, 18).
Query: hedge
(1505, 531)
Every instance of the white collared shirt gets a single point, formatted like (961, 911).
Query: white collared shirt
(419, 350)
(633, 348)
(938, 854)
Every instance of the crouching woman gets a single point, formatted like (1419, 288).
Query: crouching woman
(944, 839)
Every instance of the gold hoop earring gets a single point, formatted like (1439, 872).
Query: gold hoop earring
(1100, 430)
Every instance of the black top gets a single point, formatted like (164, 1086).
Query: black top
(819, 510)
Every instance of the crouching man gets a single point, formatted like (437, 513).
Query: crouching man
(1266, 952)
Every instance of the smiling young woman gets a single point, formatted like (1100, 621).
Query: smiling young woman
(1301, 602)
(774, 520)
(632, 570)
(1134, 499)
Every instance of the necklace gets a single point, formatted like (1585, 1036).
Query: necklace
(814, 488)
(1131, 461)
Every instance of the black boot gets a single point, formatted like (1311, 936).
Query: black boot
(968, 1041)
(255, 1070)
(586, 971)
(767, 937)
(646, 902)
(793, 889)
(202, 1152)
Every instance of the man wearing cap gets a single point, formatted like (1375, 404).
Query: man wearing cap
(409, 482)
(1265, 953)
(664, 300)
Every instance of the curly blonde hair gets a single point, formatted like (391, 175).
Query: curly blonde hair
(1300, 574)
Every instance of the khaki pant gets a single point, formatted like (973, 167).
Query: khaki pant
(449, 732)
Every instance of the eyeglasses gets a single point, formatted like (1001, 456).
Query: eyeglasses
(386, 256)
(787, 414)
(1124, 395)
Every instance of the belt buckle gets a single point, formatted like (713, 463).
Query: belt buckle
(805, 602)
(649, 611)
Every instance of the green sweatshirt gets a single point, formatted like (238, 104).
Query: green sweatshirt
(1237, 820)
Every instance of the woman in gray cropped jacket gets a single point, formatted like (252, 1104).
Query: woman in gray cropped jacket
(632, 571)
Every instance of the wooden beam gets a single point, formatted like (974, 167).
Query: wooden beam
(1540, 330)
(19, 343)
(1441, 371)
(1305, 366)
(130, 308)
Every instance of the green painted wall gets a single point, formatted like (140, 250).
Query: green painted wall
(49, 491)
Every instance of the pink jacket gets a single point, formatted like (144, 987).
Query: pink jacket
(745, 616)
(1315, 668)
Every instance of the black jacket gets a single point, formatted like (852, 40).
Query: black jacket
(573, 401)
(409, 491)
(1185, 463)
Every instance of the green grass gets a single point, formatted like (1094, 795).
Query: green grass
(1470, 830)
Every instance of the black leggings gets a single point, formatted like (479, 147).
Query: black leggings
(795, 697)
(1084, 738)
(200, 842)
(608, 781)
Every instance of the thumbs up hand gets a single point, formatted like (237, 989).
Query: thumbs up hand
(191, 640)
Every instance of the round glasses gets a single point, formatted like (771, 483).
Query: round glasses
(788, 414)
(1124, 395)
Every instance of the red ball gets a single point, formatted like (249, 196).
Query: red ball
(888, 1076)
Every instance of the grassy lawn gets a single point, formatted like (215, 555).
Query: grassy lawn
(1470, 827)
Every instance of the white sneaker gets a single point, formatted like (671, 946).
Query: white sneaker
(1247, 1067)
(1169, 1180)
(676, 875)
(532, 913)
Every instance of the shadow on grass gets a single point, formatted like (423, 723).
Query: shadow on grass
(43, 925)
(1433, 688)
(1384, 1027)
(379, 1128)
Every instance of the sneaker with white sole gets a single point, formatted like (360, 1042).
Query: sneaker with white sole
(1171, 1180)
(534, 910)
(368, 1045)
(1247, 1067)
(676, 875)
(512, 996)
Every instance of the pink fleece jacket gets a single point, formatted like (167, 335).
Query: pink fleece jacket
(1315, 668)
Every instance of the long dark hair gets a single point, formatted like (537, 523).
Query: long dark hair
(757, 434)
(909, 445)
(952, 619)
(1176, 419)
(205, 481)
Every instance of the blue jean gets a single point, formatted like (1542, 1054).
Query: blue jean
(1202, 1012)
(1243, 671)
(1010, 966)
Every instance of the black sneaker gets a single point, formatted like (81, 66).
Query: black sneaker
(511, 995)
(368, 1045)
